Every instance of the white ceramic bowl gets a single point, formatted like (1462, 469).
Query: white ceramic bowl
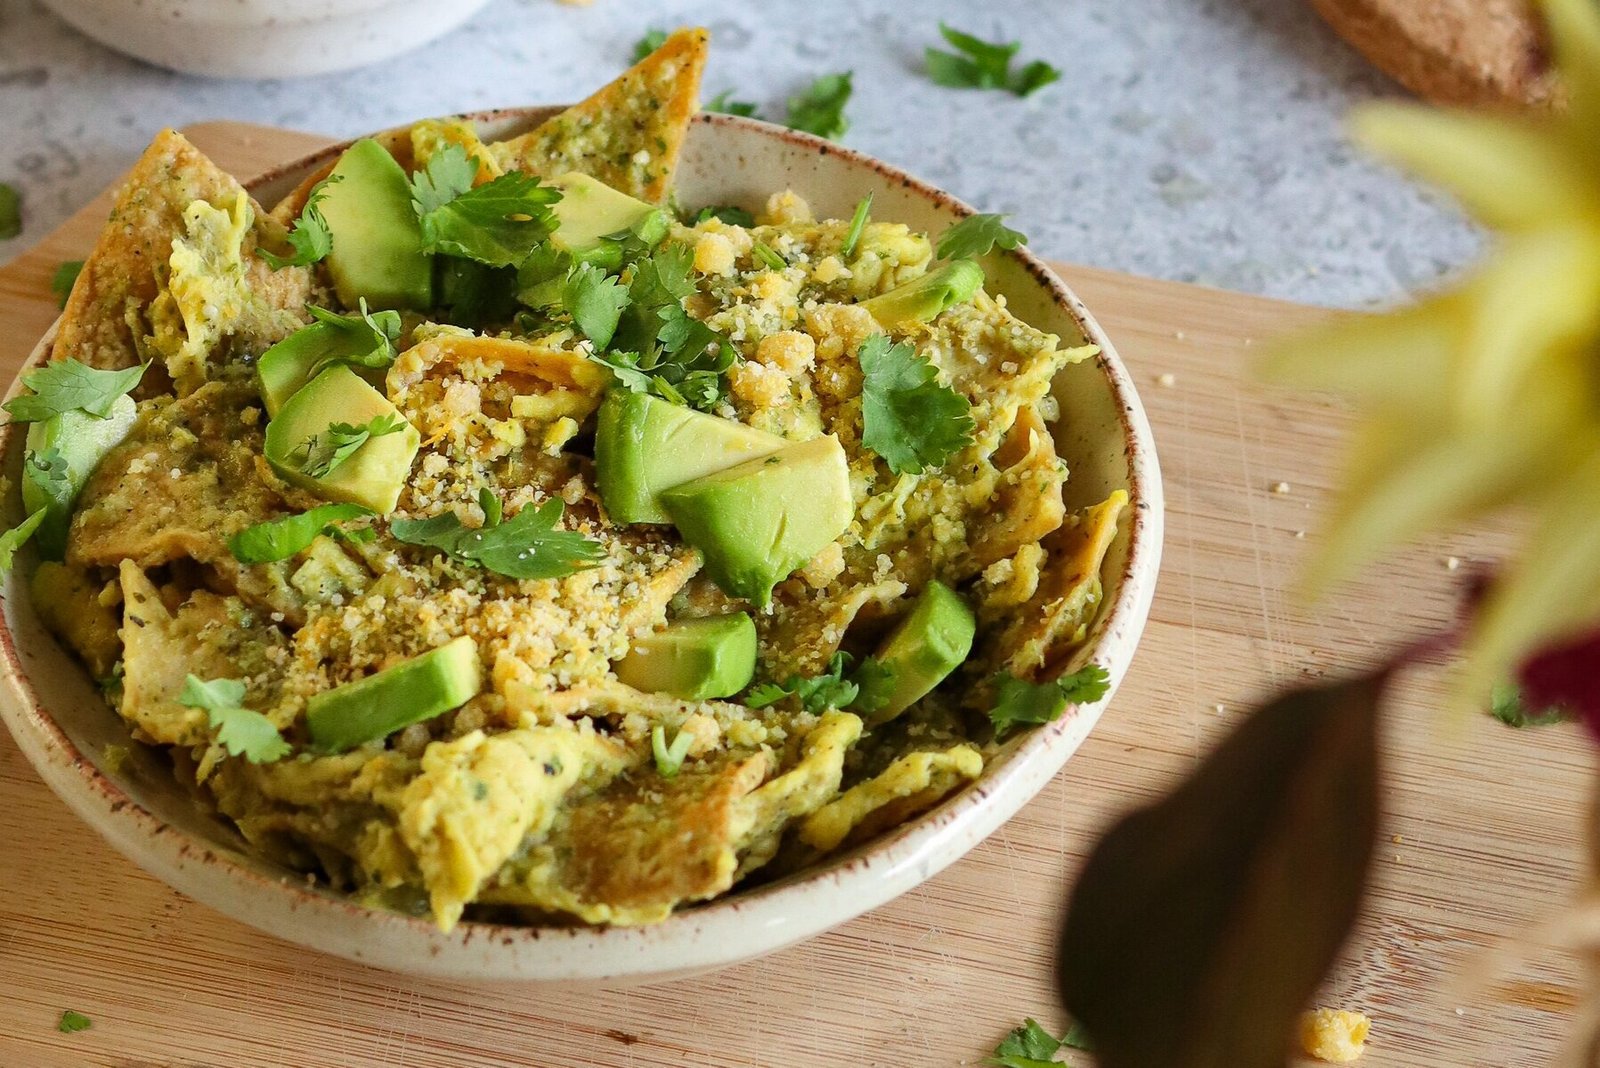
(263, 38)
(63, 726)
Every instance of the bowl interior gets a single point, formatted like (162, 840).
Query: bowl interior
(127, 791)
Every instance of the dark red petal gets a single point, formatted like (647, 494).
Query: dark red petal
(1568, 676)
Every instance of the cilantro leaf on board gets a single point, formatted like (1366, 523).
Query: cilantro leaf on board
(819, 108)
(72, 1022)
(10, 212)
(669, 758)
(1507, 706)
(279, 539)
(976, 235)
(819, 693)
(858, 225)
(1028, 1046)
(721, 103)
(1019, 702)
(13, 539)
(64, 278)
(651, 41)
(595, 300)
(980, 64)
(310, 239)
(526, 546)
(241, 731)
(322, 454)
(65, 385)
(907, 417)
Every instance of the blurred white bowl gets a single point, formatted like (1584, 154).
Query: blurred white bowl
(263, 38)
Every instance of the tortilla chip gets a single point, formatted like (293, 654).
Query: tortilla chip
(628, 134)
(104, 322)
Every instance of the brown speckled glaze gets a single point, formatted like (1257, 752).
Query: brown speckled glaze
(63, 726)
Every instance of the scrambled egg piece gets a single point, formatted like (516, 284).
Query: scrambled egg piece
(1334, 1035)
(914, 783)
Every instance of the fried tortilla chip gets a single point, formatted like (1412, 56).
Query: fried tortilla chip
(628, 134)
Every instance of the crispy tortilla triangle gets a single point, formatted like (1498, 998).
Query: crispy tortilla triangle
(628, 134)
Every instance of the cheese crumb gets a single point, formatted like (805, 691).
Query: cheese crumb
(1334, 1035)
(713, 254)
(758, 385)
(1167, 380)
(788, 350)
(1451, 563)
(1280, 488)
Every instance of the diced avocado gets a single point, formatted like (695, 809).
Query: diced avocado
(643, 445)
(931, 641)
(375, 474)
(287, 366)
(377, 240)
(695, 659)
(371, 709)
(758, 522)
(921, 299)
(83, 440)
(590, 211)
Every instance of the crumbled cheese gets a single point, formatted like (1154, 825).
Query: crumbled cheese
(786, 208)
(788, 350)
(758, 385)
(1337, 1036)
(714, 255)
(1280, 488)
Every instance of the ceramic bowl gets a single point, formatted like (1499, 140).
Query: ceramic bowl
(263, 38)
(64, 727)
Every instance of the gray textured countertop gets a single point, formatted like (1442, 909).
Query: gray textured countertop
(1197, 140)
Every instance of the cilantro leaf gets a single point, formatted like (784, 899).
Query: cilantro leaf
(473, 293)
(493, 509)
(64, 385)
(365, 339)
(908, 418)
(497, 223)
(721, 103)
(726, 213)
(64, 278)
(980, 64)
(72, 1021)
(526, 546)
(595, 300)
(1028, 1046)
(1077, 1038)
(765, 693)
(279, 539)
(448, 173)
(10, 212)
(1019, 702)
(821, 692)
(47, 471)
(1507, 706)
(663, 277)
(976, 235)
(875, 681)
(669, 758)
(13, 539)
(241, 731)
(310, 239)
(858, 225)
(819, 109)
(648, 43)
(768, 256)
(321, 454)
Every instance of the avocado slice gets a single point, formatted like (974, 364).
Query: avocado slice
(376, 474)
(590, 212)
(931, 641)
(921, 299)
(377, 240)
(758, 522)
(83, 441)
(643, 445)
(371, 709)
(695, 659)
(286, 366)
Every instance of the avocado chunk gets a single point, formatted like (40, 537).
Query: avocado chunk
(695, 659)
(931, 641)
(371, 709)
(921, 299)
(375, 474)
(83, 441)
(377, 240)
(643, 445)
(347, 339)
(758, 522)
(590, 212)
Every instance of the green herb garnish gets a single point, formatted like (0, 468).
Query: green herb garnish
(985, 65)
(765, 253)
(1019, 702)
(726, 213)
(310, 239)
(241, 731)
(322, 454)
(64, 278)
(279, 539)
(831, 689)
(13, 539)
(65, 385)
(648, 43)
(819, 109)
(1507, 706)
(721, 103)
(977, 234)
(10, 212)
(669, 758)
(858, 225)
(595, 300)
(72, 1022)
(908, 418)
(498, 223)
(526, 546)
(1028, 1046)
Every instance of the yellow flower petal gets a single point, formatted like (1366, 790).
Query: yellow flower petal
(1394, 360)
(1575, 34)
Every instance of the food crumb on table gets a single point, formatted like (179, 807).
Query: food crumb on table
(1338, 1036)
(1280, 488)
(1167, 380)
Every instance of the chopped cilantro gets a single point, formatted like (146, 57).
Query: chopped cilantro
(648, 43)
(765, 253)
(669, 758)
(310, 239)
(1019, 702)
(365, 339)
(979, 64)
(64, 278)
(241, 731)
(279, 539)
(448, 173)
(321, 454)
(819, 109)
(498, 223)
(595, 300)
(725, 212)
(493, 510)
(47, 470)
(10, 212)
(1077, 1038)
(976, 235)
(71, 1022)
(908, 418)
(526, 546)
(831, 689)
(858, 224)
(721, 103)
(1507, 706)
(13, 539)
(1028, 1046)
(875, 681)
(65, 385)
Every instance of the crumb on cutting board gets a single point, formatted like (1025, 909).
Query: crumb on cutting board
(1337, 1036)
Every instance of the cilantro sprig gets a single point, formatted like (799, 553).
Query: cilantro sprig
(819, 108)
(10, 212)
(13, 539)
(241, 731)
(975, 235)
(322, 454)
(721, 103)
(1019, 702)
(733, 216)
(858, 226)
(72, 1022)
(1507, 705)
(498, 223)
(651, 41)
(526, 546)
(64, 278)
(908, 418)
(866, 688)
(980, 64)
(279, 539)
(595, 300)
(1031, 1046)
(310, 240)
(669, 758)
(64, 385)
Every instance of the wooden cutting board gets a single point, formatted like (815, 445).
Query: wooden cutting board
(1482, 837)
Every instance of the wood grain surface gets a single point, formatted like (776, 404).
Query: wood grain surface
(1482, 835)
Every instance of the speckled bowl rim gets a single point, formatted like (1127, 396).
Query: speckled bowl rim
(727, 930)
